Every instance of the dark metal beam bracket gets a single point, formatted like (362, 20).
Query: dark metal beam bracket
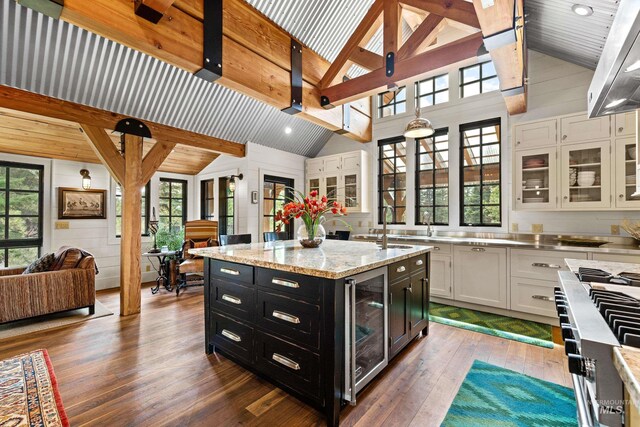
(296, 79)
(131, 126)
(146, 12)
(212, 43)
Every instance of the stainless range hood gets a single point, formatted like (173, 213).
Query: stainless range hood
(615, 87)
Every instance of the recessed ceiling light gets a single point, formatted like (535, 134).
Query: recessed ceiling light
(582, 9)
(287, 130)
(633, 67)
(615, 103)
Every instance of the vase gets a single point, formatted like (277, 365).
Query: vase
(311, 238)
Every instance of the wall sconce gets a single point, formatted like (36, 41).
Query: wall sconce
(86, 179)
(232, 182)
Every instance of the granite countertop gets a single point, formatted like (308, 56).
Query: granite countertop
(334, 259)
(627, 363)
(614, 248)
(614, 268)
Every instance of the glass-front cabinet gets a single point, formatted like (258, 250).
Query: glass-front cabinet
(585, 171)
(625, 172)
(352, 188)
(535, 186)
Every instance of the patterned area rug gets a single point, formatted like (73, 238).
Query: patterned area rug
(492, 324)
(494, 396)
(29, 393)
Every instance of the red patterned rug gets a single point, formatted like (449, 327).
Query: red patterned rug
(29, 393)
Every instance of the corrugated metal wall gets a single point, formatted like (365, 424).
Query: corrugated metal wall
(54, 58)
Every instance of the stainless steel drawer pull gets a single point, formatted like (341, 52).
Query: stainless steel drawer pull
(401, 269)
(231, 335)
(285, 316)
(542, 297)
(436, 248)
(231, 299)
(285, 282)
(478, 249)
(230, 271)
(545, 265)
(419, 262)
(286, 361)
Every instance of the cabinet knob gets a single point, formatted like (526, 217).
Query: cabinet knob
(566, 197)
(621, 196)
(620, 129)
(478, 249)
(518, 143)
(518, 199)
(564, 137)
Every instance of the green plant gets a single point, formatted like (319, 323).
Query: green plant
(171, 238)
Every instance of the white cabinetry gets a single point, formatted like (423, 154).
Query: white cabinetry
(342, 177)
(625, 124)
(535, 181)
(537, 134)
(440, 284)
(480, 275)
(625, 172)
(586, 173)
(579, 128)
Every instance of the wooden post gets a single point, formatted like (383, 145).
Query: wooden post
(130, 241)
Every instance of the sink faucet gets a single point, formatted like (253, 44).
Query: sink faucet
(427, 215)
(384, 226)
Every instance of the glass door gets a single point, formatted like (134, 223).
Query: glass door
(625, 173)
(586, 181)
(313, 184)
(331, 188)
(535, 179)
(352, 191)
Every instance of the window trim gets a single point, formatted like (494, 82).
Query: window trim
(480, 124)
(184, 199)
(417, 95)
(289, 183)
(204, 199)
(481, 79)
(381, 143)
(381, 106)
(223, 214)
(417, 220)
(6, 244)
(146, 208)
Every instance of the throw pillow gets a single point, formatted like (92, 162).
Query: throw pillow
(67, 258)
(43, 263)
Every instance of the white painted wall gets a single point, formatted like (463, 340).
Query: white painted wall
(556, 87)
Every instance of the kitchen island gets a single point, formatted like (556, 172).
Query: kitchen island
(319, 323)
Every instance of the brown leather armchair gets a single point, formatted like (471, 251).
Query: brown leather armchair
(197, 234)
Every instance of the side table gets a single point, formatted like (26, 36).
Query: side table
(162, 268)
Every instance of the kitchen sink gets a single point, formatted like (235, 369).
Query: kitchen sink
(392, 246)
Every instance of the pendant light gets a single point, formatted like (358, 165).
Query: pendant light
(418, 127)
(86, 179)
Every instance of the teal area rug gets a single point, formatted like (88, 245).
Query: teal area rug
(492, 324)
(496, 397)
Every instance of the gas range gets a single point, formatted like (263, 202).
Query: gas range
(593, 321)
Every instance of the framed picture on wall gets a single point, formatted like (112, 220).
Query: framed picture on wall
(76, 203)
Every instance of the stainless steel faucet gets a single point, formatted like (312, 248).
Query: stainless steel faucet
(384, 226)
(427, 215)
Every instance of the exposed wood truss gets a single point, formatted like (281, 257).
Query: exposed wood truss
(503, 29)
(400, 61)
(105, 150)
(256, 53)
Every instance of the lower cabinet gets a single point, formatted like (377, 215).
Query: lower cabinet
(533, 296)
(480, 275)
(441, 285)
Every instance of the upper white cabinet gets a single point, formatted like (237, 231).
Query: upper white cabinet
(535, 181)
(585, 178)
(480, 275)
(625, 124)
(580, 128)
(625, 172)
(342, 177)
(536, 134)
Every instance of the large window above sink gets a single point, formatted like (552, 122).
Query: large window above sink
(432, 179)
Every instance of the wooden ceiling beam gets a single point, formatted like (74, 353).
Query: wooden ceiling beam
(363, 29)
(105, 150)
(392, 30)
(367, 59)
(422, 37)
(152, 10)
(376, 81)
(29, 102)
(154, 158)
(457, 10)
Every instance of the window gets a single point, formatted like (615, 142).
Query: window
(392, 102)
(392, 179)
(173, 203)
(145, 209)
(479, 78)
(276, 192)
(206, 199)
(21, 193)
(432, 91)
(480, 180)
(226, 207)
(432, 178)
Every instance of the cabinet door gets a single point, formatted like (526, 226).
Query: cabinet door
(536, 179)
(351, 161)
(419, 303)
(352, 190)
(538, 134)
(398, 312)
(480, 275)
(533, 296)
(332, 164)
(313, 183)
(625, 173)
(625, 124)
(580, 128)
(585, 175)
(441, 276)
(315, 166)
(331, 185)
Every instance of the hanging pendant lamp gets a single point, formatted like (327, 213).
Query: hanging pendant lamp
(418, 127)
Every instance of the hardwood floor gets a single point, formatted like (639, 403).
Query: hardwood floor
(151, 370)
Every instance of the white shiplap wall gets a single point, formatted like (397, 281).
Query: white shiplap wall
(556, 87)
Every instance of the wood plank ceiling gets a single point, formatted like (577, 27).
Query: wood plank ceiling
(33, 135)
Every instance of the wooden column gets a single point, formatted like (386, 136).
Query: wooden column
(130, 241)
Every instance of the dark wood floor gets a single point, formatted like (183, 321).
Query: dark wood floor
(151, 370)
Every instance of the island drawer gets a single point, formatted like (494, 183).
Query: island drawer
(232, 271)
(289, 364)
(296, 320)
(297, 285)
(232, 336)
(418, 264)
(233, 298)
